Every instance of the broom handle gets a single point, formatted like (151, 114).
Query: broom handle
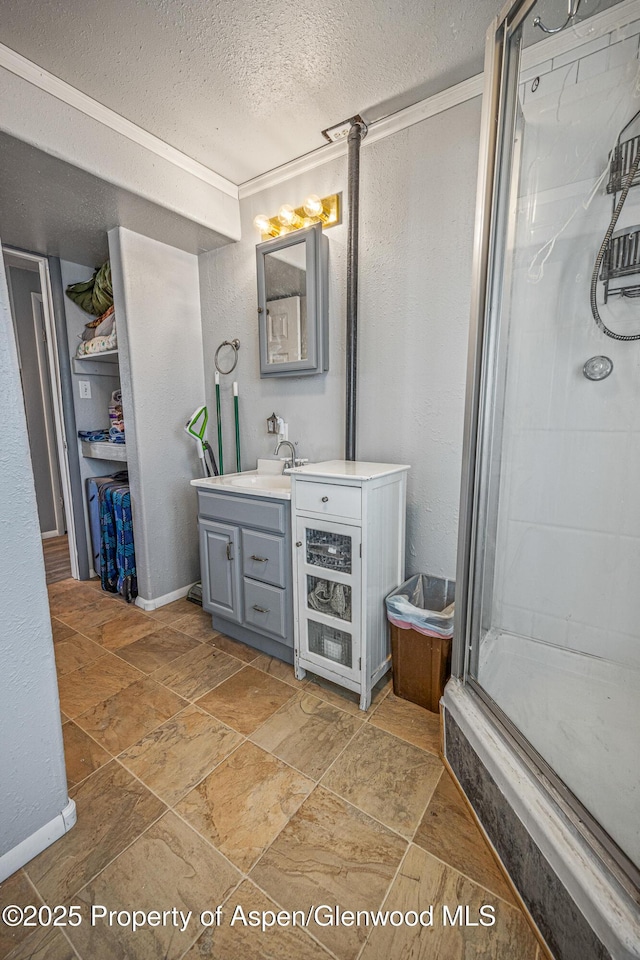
(219, 418)
(237, 419)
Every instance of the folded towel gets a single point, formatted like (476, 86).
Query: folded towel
(94, 436)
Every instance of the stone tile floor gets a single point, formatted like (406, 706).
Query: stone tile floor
(206, 774)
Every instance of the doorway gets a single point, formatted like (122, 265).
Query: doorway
(34, 324)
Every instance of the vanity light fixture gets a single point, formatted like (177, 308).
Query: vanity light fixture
(325, 210)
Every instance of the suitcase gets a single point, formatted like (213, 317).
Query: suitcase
(117, 553)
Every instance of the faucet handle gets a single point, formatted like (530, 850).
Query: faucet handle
(300, 461)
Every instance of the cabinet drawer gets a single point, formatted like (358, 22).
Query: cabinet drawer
(263, 557)
(249, 511)
(265, 608)
(328, 498)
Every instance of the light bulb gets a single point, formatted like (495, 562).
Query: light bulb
(313, 206)
(264, 225)
(287, 216)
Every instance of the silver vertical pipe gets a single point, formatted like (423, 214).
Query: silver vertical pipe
(357, 133)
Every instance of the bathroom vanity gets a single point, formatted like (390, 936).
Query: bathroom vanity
(348, 523)
(244, 523)
(298, 566)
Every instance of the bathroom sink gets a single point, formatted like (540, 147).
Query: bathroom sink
(266, 481)
(262, 482)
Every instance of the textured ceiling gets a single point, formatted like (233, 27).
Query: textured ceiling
(245, 85)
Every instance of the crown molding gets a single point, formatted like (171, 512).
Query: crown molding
(596, 26)
(378, 130)
(32, 73)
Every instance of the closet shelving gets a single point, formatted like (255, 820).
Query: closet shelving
(97, 364)
(103, 450)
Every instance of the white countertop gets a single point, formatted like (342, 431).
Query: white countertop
(348, 469)
(265, 482)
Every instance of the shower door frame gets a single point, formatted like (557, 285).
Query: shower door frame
(489, 263)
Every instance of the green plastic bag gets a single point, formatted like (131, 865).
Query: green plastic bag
(95, 295)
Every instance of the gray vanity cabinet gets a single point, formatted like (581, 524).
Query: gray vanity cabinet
(245, 562)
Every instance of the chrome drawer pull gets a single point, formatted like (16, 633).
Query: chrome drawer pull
(259, 559)
(260, 609)
(325, 499)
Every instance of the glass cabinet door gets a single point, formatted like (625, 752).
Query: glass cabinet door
(328, 572)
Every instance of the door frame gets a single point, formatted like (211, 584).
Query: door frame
(56, 392)
(46, 392)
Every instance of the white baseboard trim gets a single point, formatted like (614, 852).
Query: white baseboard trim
(16, 858)
(162, 601)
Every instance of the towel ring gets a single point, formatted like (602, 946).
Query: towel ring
(235, 346)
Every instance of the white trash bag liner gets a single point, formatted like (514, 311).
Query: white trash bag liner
(425, 604)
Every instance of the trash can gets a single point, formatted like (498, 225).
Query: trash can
(420, 614)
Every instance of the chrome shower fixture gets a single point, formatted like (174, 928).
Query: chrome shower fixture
(597, 368)
(572, 12)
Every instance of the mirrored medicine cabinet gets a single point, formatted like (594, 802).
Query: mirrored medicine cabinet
(292, 303)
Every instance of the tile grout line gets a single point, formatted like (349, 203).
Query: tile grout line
(384, 899)
(191, 789)
(316, 783)
(481, 886)
(113, 859)
(245, 738)
(149, 677)
(305, 928)
(380, 823)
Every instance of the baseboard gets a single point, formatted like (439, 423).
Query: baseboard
(163, 600)
(16, 858)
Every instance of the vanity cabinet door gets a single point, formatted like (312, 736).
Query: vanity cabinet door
(220, 566)
(328, 567)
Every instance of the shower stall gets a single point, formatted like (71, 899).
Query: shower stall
(542, 718)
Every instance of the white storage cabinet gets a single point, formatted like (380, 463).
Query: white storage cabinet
(348, 524)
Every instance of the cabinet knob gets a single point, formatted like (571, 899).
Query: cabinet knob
(298, 543)
(325, 499)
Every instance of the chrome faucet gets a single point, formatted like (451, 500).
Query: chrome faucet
(291, 461)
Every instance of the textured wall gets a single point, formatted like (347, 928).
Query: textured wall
(156, 295)
(417, 208)
(33, 785)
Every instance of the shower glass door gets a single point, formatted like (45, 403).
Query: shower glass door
(553, 630)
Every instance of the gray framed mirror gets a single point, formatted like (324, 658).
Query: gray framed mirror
(292, 303)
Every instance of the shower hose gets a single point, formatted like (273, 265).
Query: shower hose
(633, 169)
